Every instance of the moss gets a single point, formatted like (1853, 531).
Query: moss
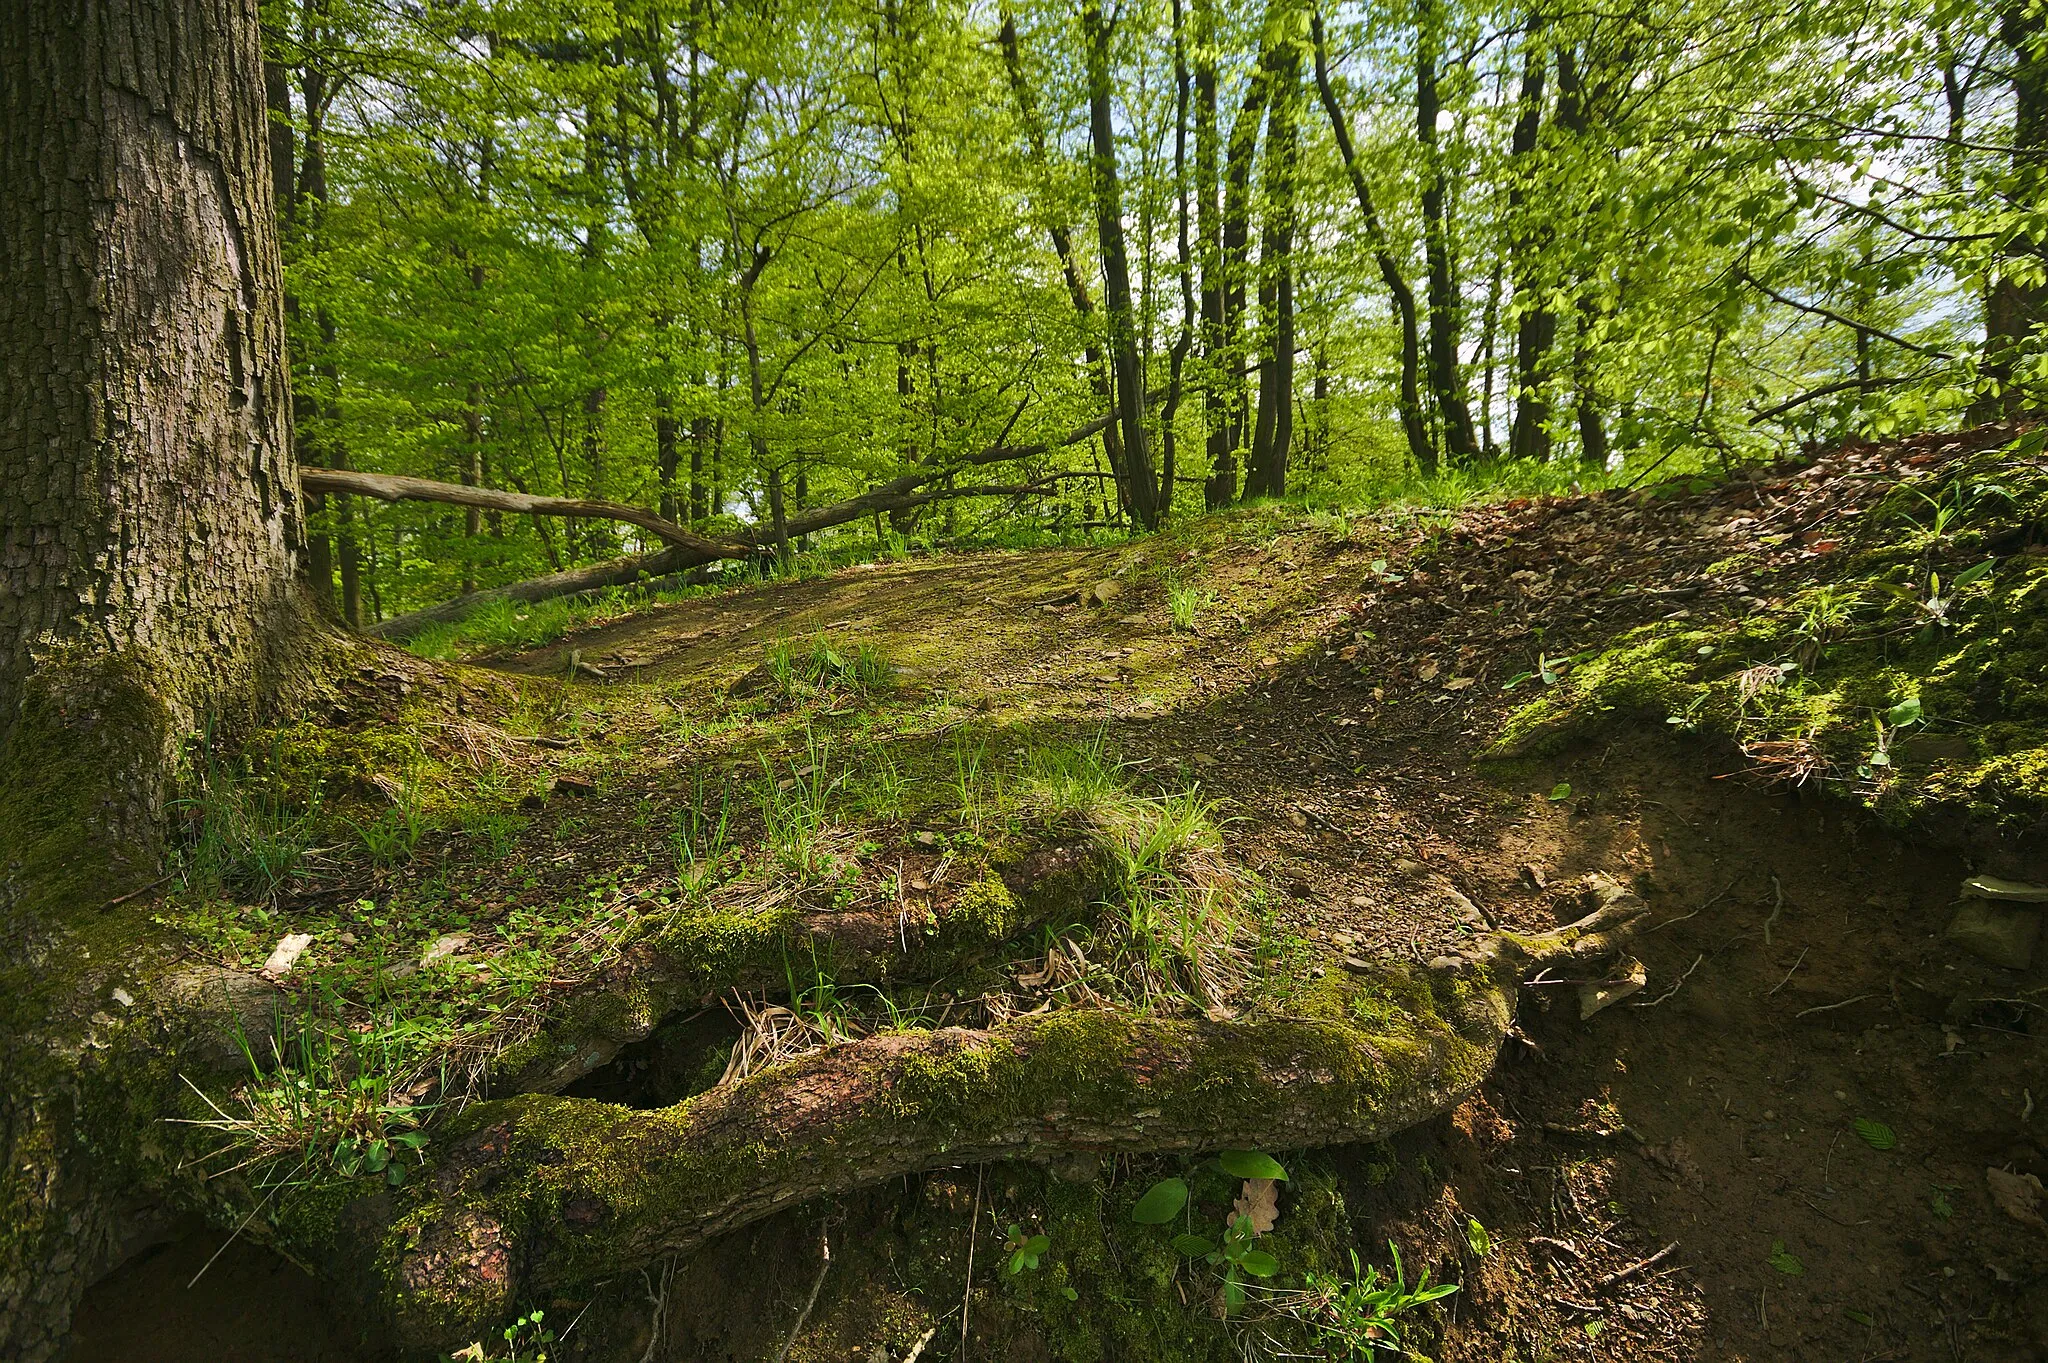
(986, 911)
(1807, 684)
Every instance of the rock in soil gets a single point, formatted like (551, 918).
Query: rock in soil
(2003, 934)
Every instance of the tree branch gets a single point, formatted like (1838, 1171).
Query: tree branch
(391, 487)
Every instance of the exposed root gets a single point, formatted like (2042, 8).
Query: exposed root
(538, 1194)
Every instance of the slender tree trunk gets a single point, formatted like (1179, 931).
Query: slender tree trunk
(2016, 304)
(1446, 385)
(1221, 487)
(1274, 432)
(1409, 403)
(1489, 331)
(1063, 246)
(1140, 491)
(150, 530)
(1236, 242)
(1536, 324)
(1184, 341)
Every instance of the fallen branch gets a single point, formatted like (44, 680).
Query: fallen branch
(910, 490)
(391, 487)
(1638, 1266)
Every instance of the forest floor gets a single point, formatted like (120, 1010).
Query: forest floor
(1807, 1137)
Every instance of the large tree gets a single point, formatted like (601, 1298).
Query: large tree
(149, 530)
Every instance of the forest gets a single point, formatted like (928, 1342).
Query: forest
(746, 265)
(1065, 681)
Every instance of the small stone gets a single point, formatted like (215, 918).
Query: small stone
(2003, 934)
(925, 838)
(1445, 962)
(1103, 592)
(444, 946)
(2012, 891)
(1357, 966)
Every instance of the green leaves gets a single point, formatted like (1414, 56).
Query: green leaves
(1874, 1134)
(1161, 1203)
(1250, 1164)
(1784, 1261)
(1476, 1237)
(1025, 1250)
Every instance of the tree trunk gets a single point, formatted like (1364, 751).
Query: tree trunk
(2018, 303)
(1227, 366)
(1221, 487)
(150, 532)
(1063, 244)
(1536, 326)
(537, 1196)
(1274, 433)
(1140, 490)
(1445, 383)
(1409, 403)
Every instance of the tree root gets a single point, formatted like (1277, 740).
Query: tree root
(539, 1195)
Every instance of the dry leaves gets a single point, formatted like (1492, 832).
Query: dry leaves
(2019, 1196)
(1260, 1200)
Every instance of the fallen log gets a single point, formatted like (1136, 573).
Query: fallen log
(540, 1196)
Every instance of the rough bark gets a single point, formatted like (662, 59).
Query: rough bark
(150, 525)
(538, 1195)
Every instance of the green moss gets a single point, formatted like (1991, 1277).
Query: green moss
(1806, 684)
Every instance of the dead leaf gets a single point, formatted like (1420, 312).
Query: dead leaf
(2019, 1196)
(1458, 683)
(1427, 669)
(288, 950)
(1260, 1200)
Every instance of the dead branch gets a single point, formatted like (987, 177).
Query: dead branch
(391, 487)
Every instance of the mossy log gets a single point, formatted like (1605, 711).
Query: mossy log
(540, 1195)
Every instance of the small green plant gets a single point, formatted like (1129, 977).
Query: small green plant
(241, 832)
(1875, 1134)
(699, 838)
(526, 1341)
(795, 809)
(1826, 614)
(334, 1098)
(1025, 1250)
(1785, 1261)
(822, 667)
(1357, 1316)
(1185, 602)
(1236, 1254)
